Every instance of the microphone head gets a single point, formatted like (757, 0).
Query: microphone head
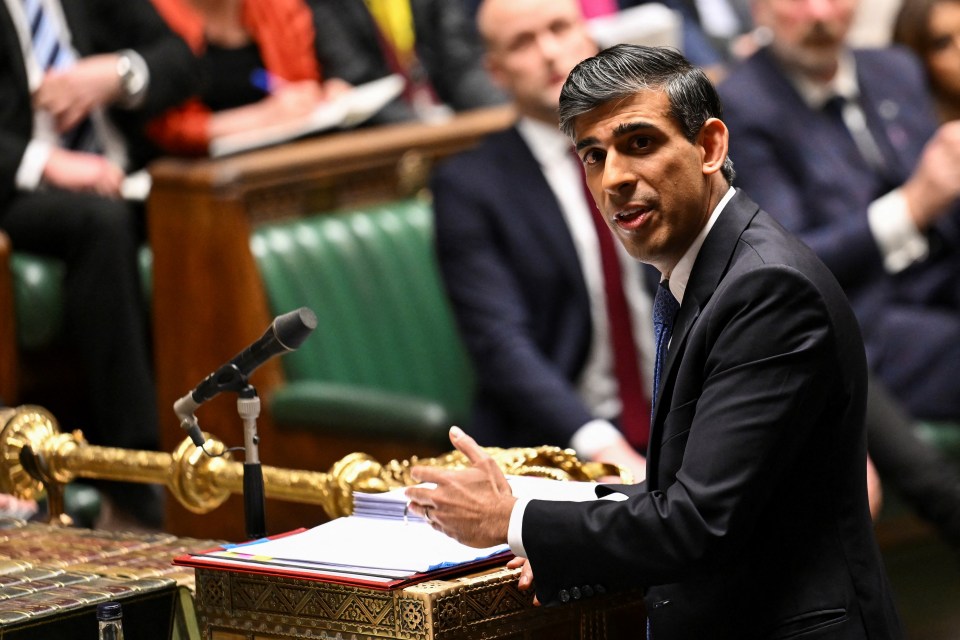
(292, 328)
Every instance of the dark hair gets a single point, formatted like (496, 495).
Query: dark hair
(624, 70)
(912, 25)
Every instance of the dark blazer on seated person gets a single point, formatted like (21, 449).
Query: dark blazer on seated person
(753, 521)
(802, 166)
(511, 270)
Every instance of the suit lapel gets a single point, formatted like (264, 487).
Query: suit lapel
(12, 50)
(884, 107)
(711, 264)
(538, 205)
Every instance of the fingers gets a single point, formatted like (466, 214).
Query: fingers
(468, 446)
(419, 498)
(526, 574)
(70, 117)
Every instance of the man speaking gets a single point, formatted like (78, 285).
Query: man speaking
(753, 521)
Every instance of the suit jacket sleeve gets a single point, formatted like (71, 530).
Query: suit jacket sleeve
(135, 24)
(752, 379)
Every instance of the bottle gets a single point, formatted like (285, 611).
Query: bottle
(110, 620)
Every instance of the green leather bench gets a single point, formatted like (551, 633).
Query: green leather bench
(38, 297)
(385, 359)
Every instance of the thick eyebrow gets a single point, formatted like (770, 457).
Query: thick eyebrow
(630, 127)
(586, 142)
(619, 130)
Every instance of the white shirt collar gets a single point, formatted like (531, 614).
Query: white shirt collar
(680, 275)
(844, 83)
(548, 145)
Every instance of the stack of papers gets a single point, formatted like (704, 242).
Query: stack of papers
(382, 545)
(355, 549)
(347, 110)
(393, 504)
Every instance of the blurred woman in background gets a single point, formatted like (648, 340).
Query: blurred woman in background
(259, 64)
(932, 29)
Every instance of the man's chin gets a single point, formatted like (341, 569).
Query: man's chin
(819, 63)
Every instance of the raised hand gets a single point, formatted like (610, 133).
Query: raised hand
(472, 505)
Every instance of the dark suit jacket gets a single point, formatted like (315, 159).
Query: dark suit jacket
(511, 271)
(753, 522)
(802, 166)
(446, 44)
(97, 26)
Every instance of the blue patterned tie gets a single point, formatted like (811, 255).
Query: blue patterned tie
(665, 308)
(52, 53)
(48, 46)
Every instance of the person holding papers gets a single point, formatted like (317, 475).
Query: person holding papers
(753, 521)
(259, 65)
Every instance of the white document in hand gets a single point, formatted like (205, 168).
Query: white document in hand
(347, 110)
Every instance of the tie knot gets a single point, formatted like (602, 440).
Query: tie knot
(665, 306)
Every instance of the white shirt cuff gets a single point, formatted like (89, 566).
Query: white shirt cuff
(594, 436)
(900, 242)
(32, 165)
(515, 528)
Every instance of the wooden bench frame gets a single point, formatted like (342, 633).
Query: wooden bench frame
(209, 302)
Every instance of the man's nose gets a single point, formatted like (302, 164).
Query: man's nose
(619, 176)
(822, 9)
(549, 45)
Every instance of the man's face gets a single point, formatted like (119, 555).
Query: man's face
(808, 35)
(531, 47)
(649, 181)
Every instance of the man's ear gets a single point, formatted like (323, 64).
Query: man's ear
(492, 66)
(713, 139)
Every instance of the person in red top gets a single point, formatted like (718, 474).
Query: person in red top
(259, 64)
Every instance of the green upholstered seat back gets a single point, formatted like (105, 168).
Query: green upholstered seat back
(38, 295)
(383, 318)
(37, 298)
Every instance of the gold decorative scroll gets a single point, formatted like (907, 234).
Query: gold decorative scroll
(35, 456)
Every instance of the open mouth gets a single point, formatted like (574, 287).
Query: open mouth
(631, 218)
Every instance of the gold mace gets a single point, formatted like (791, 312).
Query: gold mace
(36, 455)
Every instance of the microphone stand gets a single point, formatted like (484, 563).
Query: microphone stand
(230, 378)
(254, 510)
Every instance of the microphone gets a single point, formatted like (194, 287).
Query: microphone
(285, 334)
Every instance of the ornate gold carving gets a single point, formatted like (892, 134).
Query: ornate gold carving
(486, 605)
(35, 455)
